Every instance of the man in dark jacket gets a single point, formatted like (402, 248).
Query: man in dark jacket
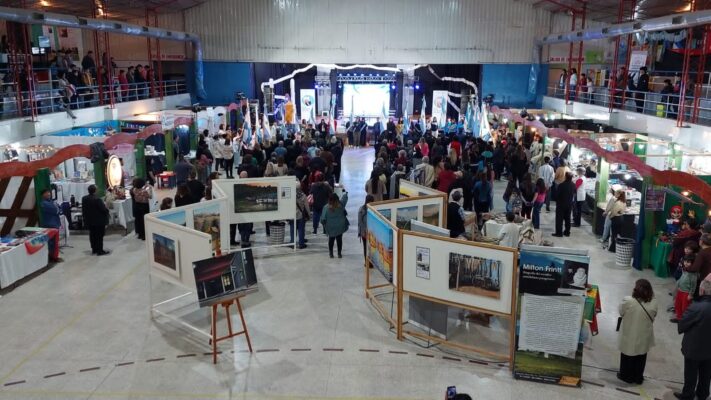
(696, 348)
(455, 216)
(96, 217)
(642, 87)
(563, 205)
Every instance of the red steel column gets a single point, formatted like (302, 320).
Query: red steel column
(580, 51)
(13, 61)
(700, 75)
(570, 64)
(160, 61)
(29, 73)
(615, 61)
(629, 55)
(150, 55)
(685, 72)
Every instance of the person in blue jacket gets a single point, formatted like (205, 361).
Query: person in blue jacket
(335, 221)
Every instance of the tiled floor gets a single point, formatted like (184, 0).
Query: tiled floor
(82, 330)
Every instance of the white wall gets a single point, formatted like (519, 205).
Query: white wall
(372, 31)
(15, 130)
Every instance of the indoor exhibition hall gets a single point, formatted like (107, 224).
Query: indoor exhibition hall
(341, 200)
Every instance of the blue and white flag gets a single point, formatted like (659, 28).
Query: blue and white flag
(422, 115)
(332, 113)
(405, 120)
(484, 129)
(247, 128)
(352, 107)
(386, 115)
(266, 133)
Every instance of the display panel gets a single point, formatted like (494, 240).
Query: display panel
(365, 99)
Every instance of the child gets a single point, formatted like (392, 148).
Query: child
(685, 287)
(509, 235)
(690, 248)
(515, 204)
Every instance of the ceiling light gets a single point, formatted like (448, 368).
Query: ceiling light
(685, 193)
(44, 3)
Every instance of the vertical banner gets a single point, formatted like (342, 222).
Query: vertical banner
(439, 106)
(308, 103)
(549, 337)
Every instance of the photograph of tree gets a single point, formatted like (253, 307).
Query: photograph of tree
(474, 275)
(256, 197)
(207, 220)
(430, 214)
(404, 215)
(165, 252)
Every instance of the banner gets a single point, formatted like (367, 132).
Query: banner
(638, 59)
(439, 106)
(308, 103)
(654, 200)
(549, 337)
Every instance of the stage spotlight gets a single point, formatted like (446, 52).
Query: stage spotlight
(417, 86)
(315, 85)
(392, 86)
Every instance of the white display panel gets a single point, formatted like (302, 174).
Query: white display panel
(438, 284)
(366, 99)
(190, 246)
(260, 208)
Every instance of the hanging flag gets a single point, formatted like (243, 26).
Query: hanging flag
(422, 115)
(332, 113)
(266, 135)
(247, 127)
(312, 115)
(484, 129)
(352, 107)
(468, 118)
(405, 120)
(386, 115)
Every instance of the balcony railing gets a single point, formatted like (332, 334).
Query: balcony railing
(648, 103)
(48, 97)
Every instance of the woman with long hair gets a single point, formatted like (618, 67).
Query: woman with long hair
(320, 193)
(528, 196)
(141, 193)
(228, 157)
(616, 214)
(482, 196)
(375, 186)
(335, 221)
(636, 331)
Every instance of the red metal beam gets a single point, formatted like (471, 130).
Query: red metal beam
(580, 51)
(685, 73)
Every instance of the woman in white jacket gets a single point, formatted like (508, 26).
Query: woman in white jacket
(227, 156)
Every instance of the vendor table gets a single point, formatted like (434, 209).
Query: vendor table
(659, 256)
(122, 210)
(78, 189)
(16, 263)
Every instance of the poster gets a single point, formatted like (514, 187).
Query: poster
(474, 275)
(308, 103)
(404, 215)
(638, 59)
(380, 245)
(223, 278)
(422, 260)
(549, 337)
(439, 106)
(256, 197)
(207, 220)
(654, 200)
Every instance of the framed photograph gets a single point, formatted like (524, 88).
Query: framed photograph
(380, 245)
(430, 214)
(404, 215)
(207, 220)
(166, 254)
(475, 275)
(223, 278)
(256, 197)
(177, 218)
(422, 261)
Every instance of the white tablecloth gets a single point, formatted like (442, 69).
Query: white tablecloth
(123, 210)
(16, 264)
(492, 229)
(69, 188)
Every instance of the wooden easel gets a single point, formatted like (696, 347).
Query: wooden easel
(213, 330)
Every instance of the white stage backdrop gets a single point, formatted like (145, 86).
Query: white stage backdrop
(365, 99)
(308, 102)
(439, 104)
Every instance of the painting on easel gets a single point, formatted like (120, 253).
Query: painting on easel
(220, 279)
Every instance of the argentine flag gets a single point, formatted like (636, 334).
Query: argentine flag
(332, 121)
(422, 115)
(405, 121)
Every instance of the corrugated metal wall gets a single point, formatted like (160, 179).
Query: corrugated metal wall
(127, 49)
(368, 31)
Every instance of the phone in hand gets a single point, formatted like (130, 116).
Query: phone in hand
(451, 392)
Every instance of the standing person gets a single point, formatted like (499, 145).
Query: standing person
(50, 213)
(539, 201)
(565, 193)
(573, 83)
(579, 197)
(363, 222)
(182, 170)
(123, 82)
(608, 219)
(183, 197)
(228, 157)
(96, 217)
(375, 186)
(547, 173)
(636, 332)
(696, 347)
(616, 219)
(335, 221)
(583, 87)
(702, 262)
(562, 80)
(667, 92)
(141, 193)
(196, 189)
(320, 193)
(483, 195)
(88, 64)
(642, 87)
(302, 215)
(620, 86)
(528, 196)
(685, 287)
